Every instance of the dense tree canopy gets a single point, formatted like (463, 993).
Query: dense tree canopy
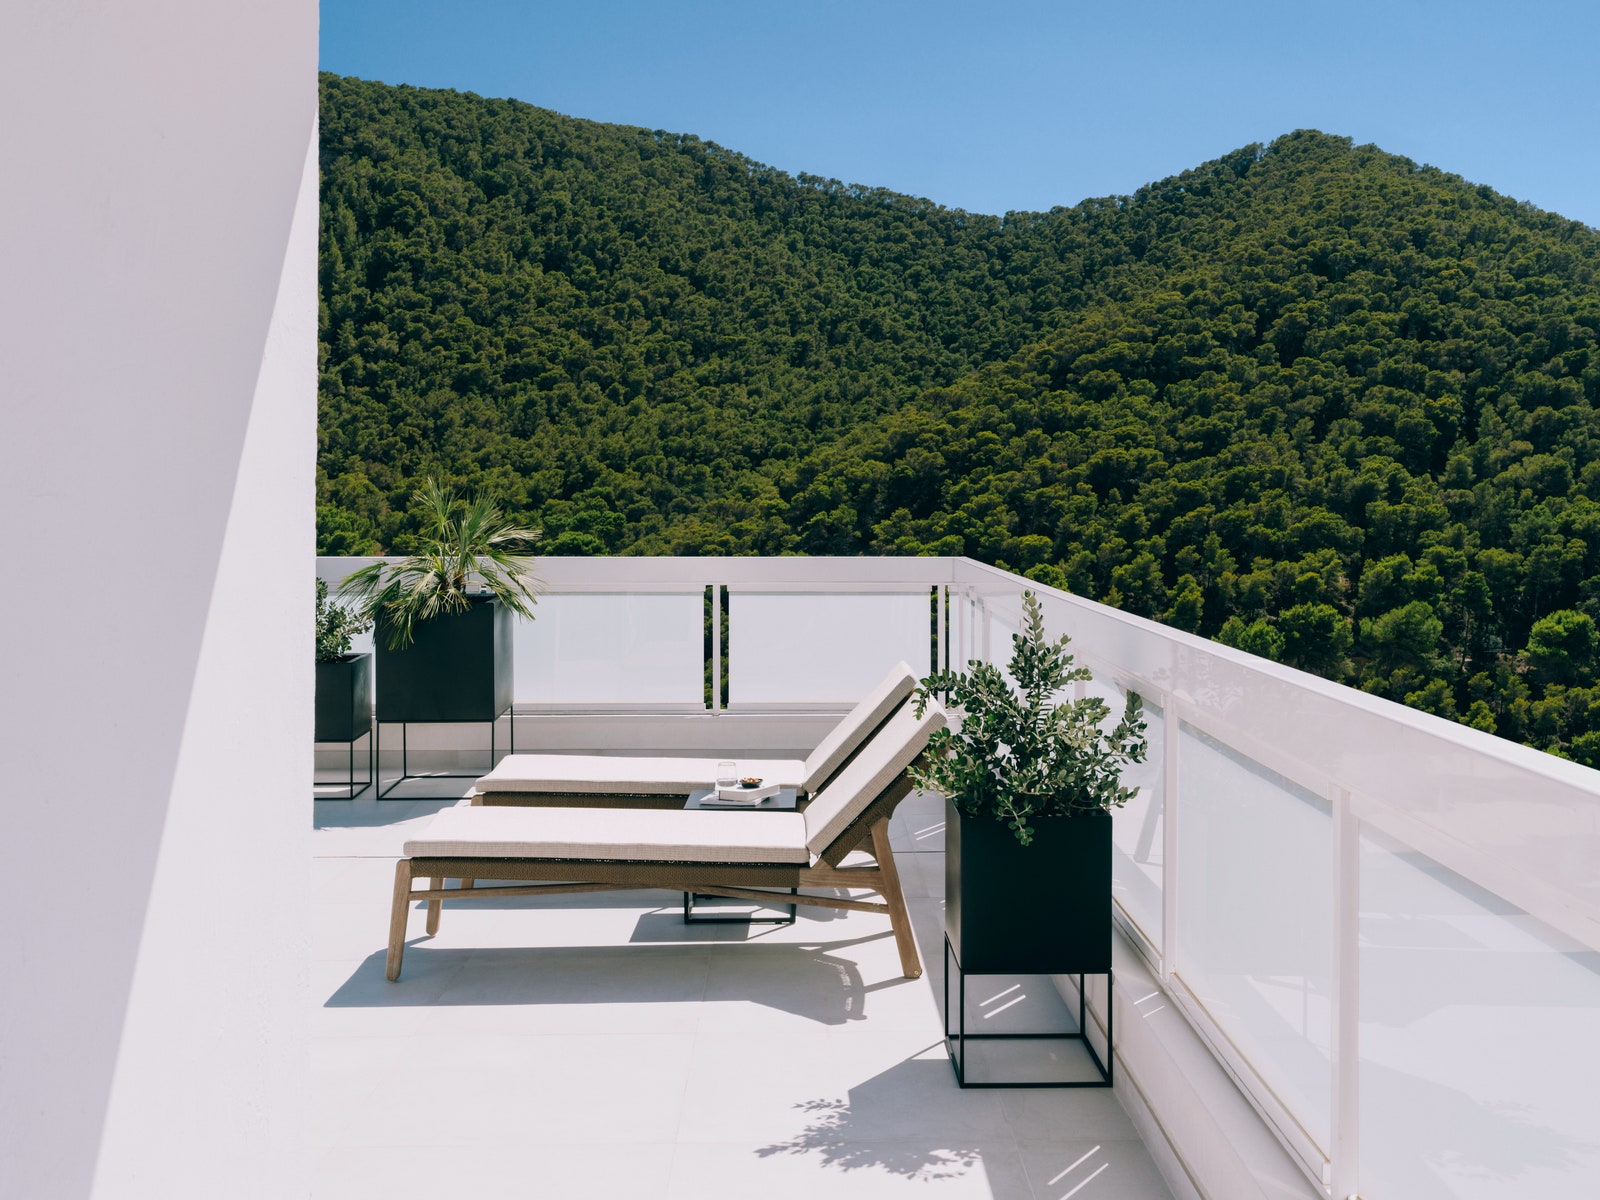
(1309, 399)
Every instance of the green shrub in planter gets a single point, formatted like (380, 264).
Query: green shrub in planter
(337, 626)
(1029, 778)
(1017, 754)
(343, 709)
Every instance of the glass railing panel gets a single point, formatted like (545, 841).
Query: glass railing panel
(610, 648)
(1000, 633)
(1255, 918)
(822, 647)
(1137, 861)
(1479, 1044)
(968, 638)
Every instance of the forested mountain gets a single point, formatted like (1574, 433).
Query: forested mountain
(1310, 398)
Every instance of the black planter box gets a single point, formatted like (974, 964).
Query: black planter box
(1044, 908)
(457, 669)
(344, 698)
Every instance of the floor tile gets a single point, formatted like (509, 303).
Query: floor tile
(823, 1085)
(1079, 1169)
(593, 1045)
(846, 1170)
(472, 1090)
(510, 1172)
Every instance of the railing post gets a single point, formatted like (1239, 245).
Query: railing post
(1345, 1019)
(1169, 836)
(966, 609)
(716, 647)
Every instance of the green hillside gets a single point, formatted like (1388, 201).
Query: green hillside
(1309, 398)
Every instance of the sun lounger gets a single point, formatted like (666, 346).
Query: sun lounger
(593, 849)
(631, 782)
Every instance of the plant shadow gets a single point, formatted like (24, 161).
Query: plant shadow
(880, 1126)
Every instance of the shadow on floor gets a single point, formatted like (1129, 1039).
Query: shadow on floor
(365, 814)
(875, 1127)
(812, 982)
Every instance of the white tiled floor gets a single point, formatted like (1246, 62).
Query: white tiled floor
(594, 1046)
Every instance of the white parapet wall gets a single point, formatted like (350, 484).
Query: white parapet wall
(157, 362)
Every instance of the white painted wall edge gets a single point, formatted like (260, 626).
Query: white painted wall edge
(208, 1096)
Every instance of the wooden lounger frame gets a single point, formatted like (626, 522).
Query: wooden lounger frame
(738, 881)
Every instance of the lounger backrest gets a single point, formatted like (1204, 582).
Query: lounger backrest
(835, 807)
(858, 725)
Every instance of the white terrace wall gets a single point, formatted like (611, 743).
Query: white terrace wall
(158, 232)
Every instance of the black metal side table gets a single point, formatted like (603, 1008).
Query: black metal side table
(787, 800)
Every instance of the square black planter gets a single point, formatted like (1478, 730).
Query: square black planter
(344, 698)
(344, 711)
(1040, 909)
(1043, 909)
(458, 668)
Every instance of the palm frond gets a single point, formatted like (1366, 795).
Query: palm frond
(471, 546)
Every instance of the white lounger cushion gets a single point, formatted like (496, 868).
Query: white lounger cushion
(615, 834)
(605, 774)
(858, 725)
(608, 774)
(894, 749)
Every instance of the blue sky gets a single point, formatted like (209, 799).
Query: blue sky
(1025, 105)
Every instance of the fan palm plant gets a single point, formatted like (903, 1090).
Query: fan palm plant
(471, 543)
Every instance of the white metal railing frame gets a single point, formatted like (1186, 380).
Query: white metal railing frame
(720, 579)
(1407, 773)
(1438, 787)
(1472, 802)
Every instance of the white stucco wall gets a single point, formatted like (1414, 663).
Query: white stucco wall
(157, 441)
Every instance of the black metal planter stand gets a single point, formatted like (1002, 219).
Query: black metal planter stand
(956, 1040)
(351, 790)
(405, 762)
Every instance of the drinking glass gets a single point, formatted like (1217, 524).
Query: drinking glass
(727, 774)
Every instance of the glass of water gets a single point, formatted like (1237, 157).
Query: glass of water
(727, 773)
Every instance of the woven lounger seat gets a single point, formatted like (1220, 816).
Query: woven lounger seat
(619, 780)
(719, 854)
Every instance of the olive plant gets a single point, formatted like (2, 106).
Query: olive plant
(1021, 753)
(469, 543)
(336, 626)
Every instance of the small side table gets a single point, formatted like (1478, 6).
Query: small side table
(787, 800)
